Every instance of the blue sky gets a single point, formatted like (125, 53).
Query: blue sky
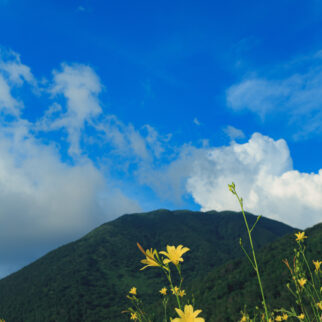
(113, 107)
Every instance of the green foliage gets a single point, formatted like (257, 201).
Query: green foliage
(86, 280)
(223, 292)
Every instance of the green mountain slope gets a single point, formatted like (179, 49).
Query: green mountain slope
(87, 280)
(223, 292)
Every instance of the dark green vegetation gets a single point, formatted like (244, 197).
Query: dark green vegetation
(87, 280)
(225, 290)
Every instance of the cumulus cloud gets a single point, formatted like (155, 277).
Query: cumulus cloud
(47, 202)
(263, 172)
(80, 87)
(296, 94)
(262, 169)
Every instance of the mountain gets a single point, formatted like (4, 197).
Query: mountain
(224, 291)
(88, 280)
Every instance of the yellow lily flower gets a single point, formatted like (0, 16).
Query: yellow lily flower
(300, 236)
(174, 254)
(188, 315)
(243, 319)
(317, 265)
(150, 257)
(319, 305)
(134, 316)
(163, 291)
(302, 281)
(175, 290)
(133, 291)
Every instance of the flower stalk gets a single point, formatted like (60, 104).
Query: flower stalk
(254, 261)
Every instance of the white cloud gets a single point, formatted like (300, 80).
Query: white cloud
(154, 141)
(169, 180)
(196, 121)
(139, 145)
(12, 73)
(16, 72)
(262, 171)
(8, 104)
(297, 96)
(47, 202)
(259, 95)
(234, 133)
(126, 141)
(80, 86)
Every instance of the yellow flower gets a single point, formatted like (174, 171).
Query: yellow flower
(175, 290)
(182, 293)
(188, 315)
(243, 319)
(317, 265)
(301, 316)
(300, 236)
(133, 291)
(278, 318)
(150, 257)
(134, 316)
(163, 291)
(319, 305)
(285, 316)
(302, 281)
(174, 254)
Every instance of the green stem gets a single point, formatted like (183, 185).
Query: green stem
(242, 247)
(179, 271)
(170, 281)
(232, 188)
(165, 302)
(308, 266)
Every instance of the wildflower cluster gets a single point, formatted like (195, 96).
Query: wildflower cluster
(307, 286)
(172, 256)
(306, 280)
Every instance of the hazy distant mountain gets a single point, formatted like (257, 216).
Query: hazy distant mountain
(87, 280)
